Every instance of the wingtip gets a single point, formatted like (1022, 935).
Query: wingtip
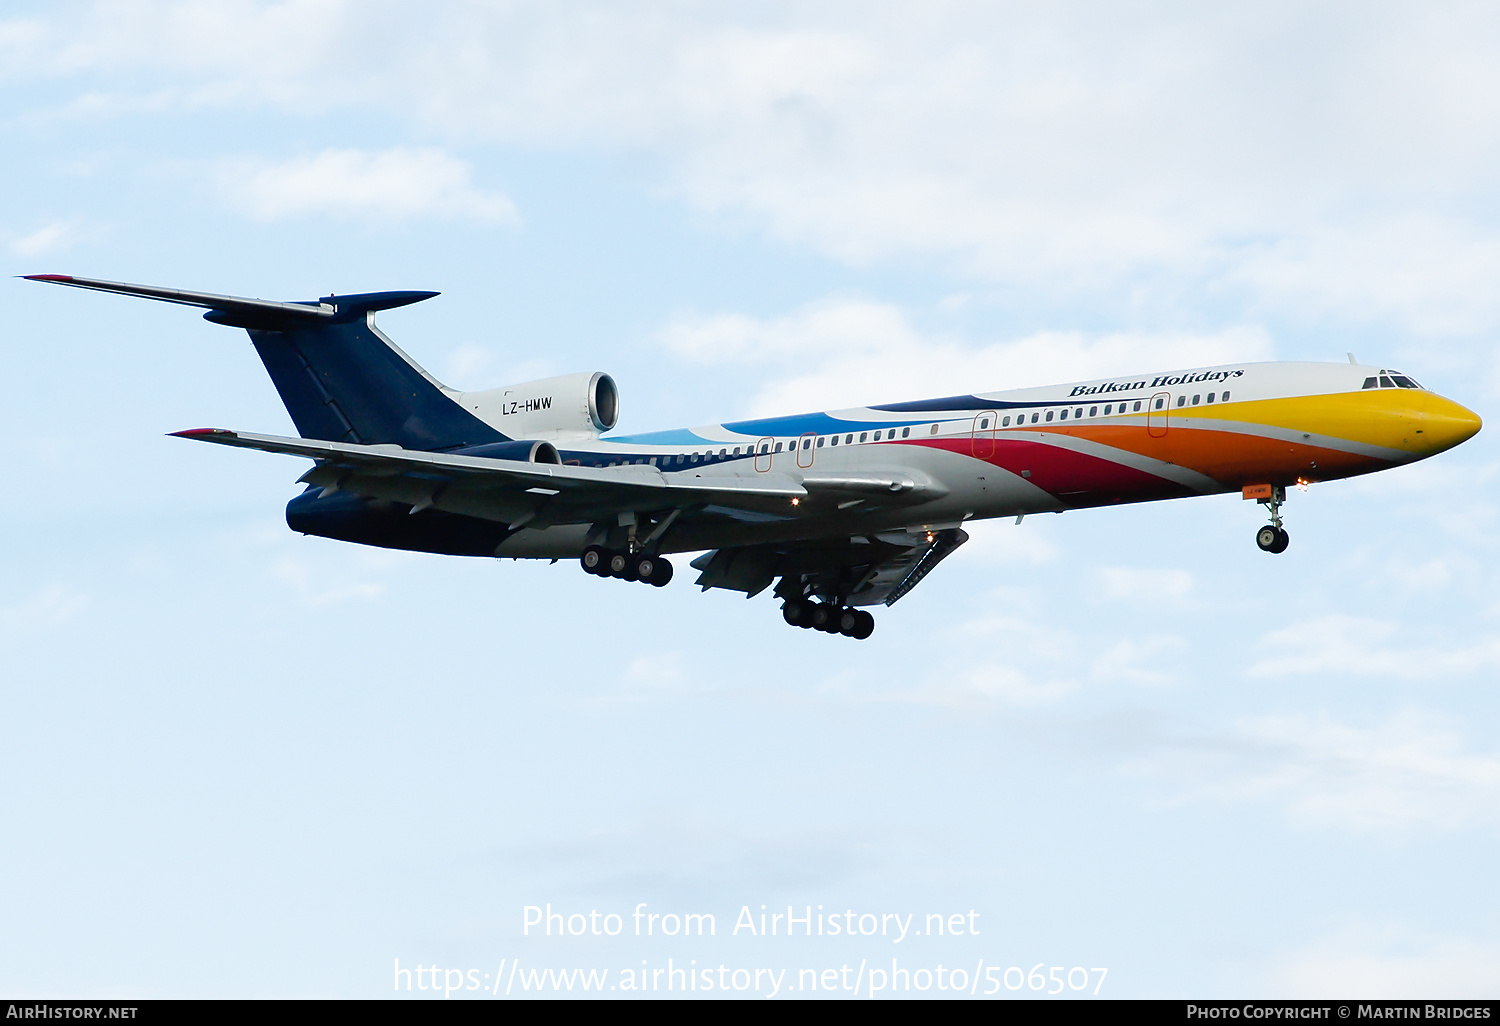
(202, 433)
(64, 278)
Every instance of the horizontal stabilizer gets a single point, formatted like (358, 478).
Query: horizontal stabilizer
(259, 314)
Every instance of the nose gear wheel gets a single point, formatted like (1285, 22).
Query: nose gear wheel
(1273, 537)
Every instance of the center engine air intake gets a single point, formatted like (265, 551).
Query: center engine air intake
(570, 407)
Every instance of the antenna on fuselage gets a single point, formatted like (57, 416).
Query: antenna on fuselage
(1352, 359)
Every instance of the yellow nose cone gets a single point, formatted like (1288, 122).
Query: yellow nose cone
(1443, 424)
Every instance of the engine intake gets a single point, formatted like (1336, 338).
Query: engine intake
(573, 406)
(523, 452)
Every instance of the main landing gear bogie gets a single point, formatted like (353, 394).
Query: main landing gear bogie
(625, 566)
(828, 617)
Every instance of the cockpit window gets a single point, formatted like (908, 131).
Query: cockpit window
(1370, 383)
(1386, 382)
(1403, 381)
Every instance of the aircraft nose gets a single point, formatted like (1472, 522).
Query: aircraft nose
(1445, 424)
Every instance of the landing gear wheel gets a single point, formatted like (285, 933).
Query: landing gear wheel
(1273, 539)
(864, 628)
(846, 621)
(620, 566)
(795, 612)
(643, 567)
(660, 574)
(595, 560)
(824, 618)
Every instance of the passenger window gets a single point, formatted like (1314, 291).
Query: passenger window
(820, 442)
(807, 443)
(680, 457)
(1064, 415)
(1138, 407)
(765, 447)
(725, 452)
(1210, 397)
(906, 432)
(848, 439)
(1049, 415)
(864, 436)
(1078, 413)
(984, 423)
(1034, 417)
(1005, 422)
(833, 440)
(1224, 398)
(877, 436)
(934, 427)
(1197, 399)
(1181, 400)
(1093, 411)
(1106, 410)
(1159, 403)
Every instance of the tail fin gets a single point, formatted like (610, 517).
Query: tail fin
(340, 378)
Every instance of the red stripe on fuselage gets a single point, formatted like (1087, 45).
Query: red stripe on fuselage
(1074, 477)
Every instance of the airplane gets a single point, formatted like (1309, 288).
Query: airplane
(839, 510)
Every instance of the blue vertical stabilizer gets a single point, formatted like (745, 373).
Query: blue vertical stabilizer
(340, 378)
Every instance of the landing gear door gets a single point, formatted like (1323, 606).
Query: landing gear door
(983, 445)
(763, 450)
(1157, 413)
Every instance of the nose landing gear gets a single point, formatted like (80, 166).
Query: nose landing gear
(1273, 537)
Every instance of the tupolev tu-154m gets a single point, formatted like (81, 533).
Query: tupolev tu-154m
(838, 510)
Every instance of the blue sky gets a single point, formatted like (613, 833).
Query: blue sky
(240, 762)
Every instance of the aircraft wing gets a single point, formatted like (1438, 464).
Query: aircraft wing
(512, 491)
(862, 570)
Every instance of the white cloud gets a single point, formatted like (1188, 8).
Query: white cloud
(1390, 963)
(314, 588)
(1407, 772)
(398, 183)
(51, 238)
(658, 671)
(1148, 660)
(50, 607)
(1321, 160)
(852, 352)
(1004, 541)
(1157, 586)
(1337, 643)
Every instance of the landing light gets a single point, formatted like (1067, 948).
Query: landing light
(1302, 484)
(796, 502)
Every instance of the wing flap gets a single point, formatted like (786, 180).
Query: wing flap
(503, 489)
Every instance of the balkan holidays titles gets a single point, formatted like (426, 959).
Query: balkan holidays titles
(1159, 381)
